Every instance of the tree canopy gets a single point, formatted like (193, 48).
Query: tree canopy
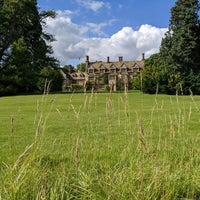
(23, 45)
(180, 48)
(178, 62)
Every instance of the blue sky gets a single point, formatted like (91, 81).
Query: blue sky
(100, 28)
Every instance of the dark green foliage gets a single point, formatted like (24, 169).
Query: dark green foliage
(154, 78)
(179, 54)
(89, 86)
(180, 48)
(23, 49)
(192, 83)
(77, 88)
(105, 78)
(148, 80)
(157, 79)
(52, 76)
(80, 67)
(69, 68)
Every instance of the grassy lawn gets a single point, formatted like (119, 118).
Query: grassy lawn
(100, 146)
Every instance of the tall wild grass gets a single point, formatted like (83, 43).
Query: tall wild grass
(100, 146)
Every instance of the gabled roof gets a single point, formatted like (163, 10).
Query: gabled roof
(102, 66)
(78, 75)
(73, 75)
(118, 65)
(67, 71)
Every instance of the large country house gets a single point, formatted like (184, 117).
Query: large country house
(99, 75)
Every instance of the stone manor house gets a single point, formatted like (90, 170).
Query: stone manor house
(99, 75)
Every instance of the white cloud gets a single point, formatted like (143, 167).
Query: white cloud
(71, 41)
(67, 35)
(93, 5)
(97, 28)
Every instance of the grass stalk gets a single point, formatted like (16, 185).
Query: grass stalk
(101, 146)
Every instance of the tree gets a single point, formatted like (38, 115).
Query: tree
(181, 46)
(51, 77)
(155, 78)
(176, 68)
(148, 80)
(81, 67)
(69, 68)
(23, 44)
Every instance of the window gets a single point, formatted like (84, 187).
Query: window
(74, 75)
(124, 69)
(91, 78)
(102, 69)
(91, 70)
(82, 75)
(135, 70)
(112, 69)
(112, 78)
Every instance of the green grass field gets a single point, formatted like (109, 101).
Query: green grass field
(100, 146)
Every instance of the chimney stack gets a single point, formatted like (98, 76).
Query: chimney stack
(143, 56)
(87, 58)
(120, 58)
(86, 64)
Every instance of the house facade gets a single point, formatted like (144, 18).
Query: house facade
(99, 75)
(72, 78)
(115, 75)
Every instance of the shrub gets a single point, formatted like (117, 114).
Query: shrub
(77, 88)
